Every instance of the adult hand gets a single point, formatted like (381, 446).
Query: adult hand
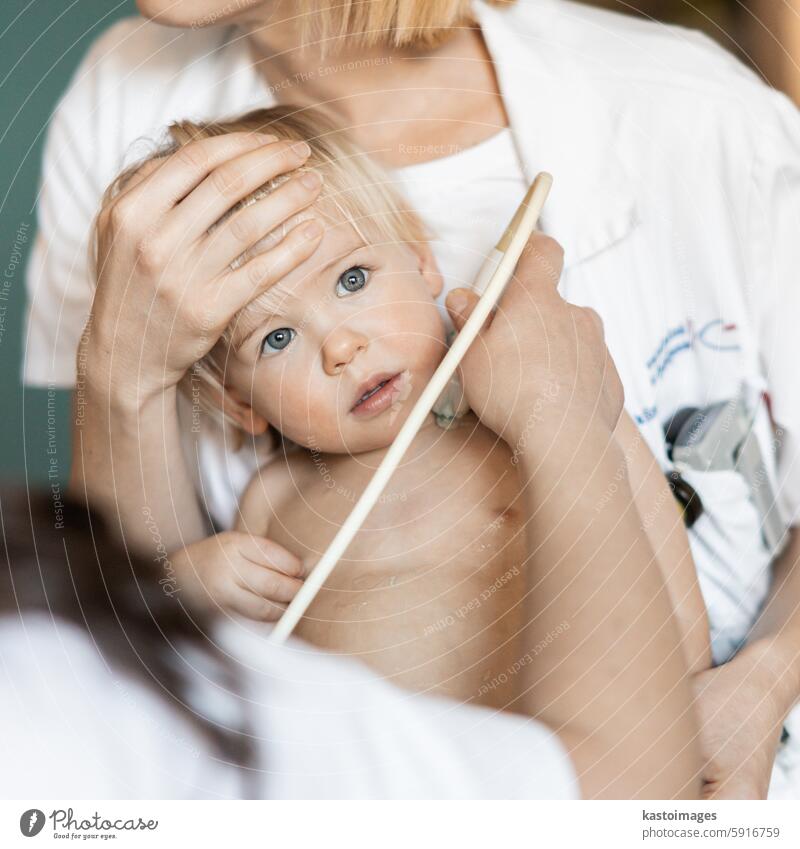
(741, 718)
(166, 289)
(619, 698)
(540, 361)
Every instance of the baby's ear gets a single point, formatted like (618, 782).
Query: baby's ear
(235, 408)
(429, 269)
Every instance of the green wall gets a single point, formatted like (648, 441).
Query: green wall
(41, 43)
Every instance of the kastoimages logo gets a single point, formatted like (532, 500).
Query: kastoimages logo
(31, 822)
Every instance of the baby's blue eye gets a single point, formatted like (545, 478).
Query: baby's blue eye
(277, 340)
(351, 281)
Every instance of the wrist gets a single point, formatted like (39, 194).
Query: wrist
(772, 665)
(101, 399)
(562, 444)
(108, 386)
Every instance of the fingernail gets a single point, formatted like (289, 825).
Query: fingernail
(301, 148)
(266, 139)
(312, 230)
(311, 179)
(457, 301)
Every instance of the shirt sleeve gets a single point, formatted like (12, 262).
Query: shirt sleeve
(71, 726)
(334, 729)
(773, 225)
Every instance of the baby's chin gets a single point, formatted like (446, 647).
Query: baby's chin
(368, 426)
(353, 436)
(358, 440)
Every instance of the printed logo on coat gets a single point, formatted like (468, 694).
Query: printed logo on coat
(714, 335)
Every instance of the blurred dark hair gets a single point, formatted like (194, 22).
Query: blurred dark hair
(67, 565)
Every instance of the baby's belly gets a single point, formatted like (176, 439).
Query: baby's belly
(448, 626)
(430, 594)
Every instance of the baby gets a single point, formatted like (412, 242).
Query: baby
(333, 358)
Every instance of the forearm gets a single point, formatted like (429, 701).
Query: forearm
(775, 639)
(128, 463)
(613, 683)
(662, 520)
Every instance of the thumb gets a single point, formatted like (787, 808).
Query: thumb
(460, 303)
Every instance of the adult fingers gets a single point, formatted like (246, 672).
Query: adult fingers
(136, 176)
(184, 170)
(542, 261)
(460, 303)
(230, 181)
(534, 284)
(537, 274)
(539, 268)
(250, 225)
(239, 287)
(594, 319)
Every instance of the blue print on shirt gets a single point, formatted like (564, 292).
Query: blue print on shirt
(647, 415)
(716, 335)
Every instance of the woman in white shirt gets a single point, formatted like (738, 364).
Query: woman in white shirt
(648, 131)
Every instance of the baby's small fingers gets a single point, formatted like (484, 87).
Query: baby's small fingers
(268, 583)
(265, 552)
(254, 607)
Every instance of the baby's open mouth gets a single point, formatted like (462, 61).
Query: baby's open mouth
(371, 392)
(377, 394)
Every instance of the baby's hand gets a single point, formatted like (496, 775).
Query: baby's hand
(235, 571)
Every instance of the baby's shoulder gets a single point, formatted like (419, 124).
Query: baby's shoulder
(272, 485)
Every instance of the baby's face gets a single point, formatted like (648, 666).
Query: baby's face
(336, 354)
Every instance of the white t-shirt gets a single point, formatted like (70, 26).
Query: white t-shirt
(73, 727)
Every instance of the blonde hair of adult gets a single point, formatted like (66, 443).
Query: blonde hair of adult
(392, 23)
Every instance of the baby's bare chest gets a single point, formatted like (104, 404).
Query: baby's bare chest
(456, 502)
(429, 591)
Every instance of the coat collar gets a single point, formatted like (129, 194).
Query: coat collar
(561, 124)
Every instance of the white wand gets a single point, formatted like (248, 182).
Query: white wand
(494, 275)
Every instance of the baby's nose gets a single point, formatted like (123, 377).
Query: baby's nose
(340, 348)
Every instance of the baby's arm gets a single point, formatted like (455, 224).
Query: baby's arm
(241, 570)
(661, 518)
